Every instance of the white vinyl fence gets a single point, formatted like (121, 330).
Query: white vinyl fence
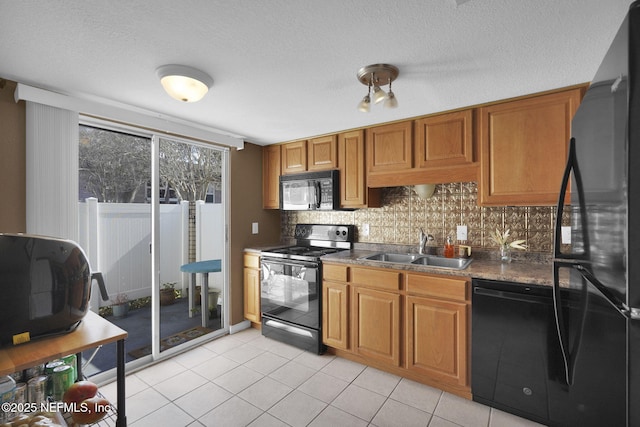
(117, 240)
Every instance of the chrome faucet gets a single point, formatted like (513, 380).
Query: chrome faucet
(424, 240)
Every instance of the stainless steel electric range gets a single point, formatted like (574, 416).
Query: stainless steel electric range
(291, 284)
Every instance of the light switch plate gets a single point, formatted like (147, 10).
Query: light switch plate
(254, 228)
(566, 235)
(365, 230)
(462, 233)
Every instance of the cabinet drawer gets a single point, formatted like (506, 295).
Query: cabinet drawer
(251, 261)
(438, 286)
(382, 279)
(334, 272)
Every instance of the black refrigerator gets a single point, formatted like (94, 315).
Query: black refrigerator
(600, 338)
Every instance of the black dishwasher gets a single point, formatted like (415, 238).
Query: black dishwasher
(517, 365)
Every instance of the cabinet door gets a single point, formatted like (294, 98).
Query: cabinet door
(252, 295)
(335, 322)
(444, 140)
(437, 339)
(353, 188)
(390, 147)
(523, 148)
(294, 157)
(322, 153)
(271, 177)
(375, 325)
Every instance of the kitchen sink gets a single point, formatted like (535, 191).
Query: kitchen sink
(441, 262)
(393, 257)
(418, 259)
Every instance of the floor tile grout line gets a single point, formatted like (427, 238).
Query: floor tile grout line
(289, 358)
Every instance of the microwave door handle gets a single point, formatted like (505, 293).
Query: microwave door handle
(318, 194)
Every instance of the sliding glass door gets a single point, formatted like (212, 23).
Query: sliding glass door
(150, 207)
(191, 236)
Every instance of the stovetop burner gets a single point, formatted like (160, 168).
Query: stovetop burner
(314, 241)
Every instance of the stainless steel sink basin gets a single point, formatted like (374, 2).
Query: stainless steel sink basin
(436, 261)
(393, 257)
(418, 259)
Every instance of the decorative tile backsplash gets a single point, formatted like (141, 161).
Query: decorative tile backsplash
(404, 212)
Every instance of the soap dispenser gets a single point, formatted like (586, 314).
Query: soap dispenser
(448, 247)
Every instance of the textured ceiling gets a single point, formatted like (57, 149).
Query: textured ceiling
(286, 69)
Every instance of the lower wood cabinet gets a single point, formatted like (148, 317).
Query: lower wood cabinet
(376, 324)
(252, 288)
(409, 323)
(335, 323)
(436, 338)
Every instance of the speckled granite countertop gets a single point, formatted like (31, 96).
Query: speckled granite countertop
(482, 267)
(516, 271)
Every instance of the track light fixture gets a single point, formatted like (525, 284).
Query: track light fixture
(374, 76)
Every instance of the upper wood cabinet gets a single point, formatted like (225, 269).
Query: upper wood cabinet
(523, 148)
(294, 157)
(322, 153)
(389, 147)
(271, 177)
(444, 140)
(432, 150)
(354, 192)
(353, 187)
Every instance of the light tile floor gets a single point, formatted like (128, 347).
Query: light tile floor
(248, 380)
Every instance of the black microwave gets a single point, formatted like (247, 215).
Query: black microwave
(45, 286)
(310, 191)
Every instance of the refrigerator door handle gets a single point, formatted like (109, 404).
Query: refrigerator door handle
(609, 296)
(561, 330)
(572, 165)
(569, 353)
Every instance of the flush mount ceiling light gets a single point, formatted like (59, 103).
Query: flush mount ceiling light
(374, 76)
(184, 83)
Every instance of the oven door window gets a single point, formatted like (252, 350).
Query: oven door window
(289, 291)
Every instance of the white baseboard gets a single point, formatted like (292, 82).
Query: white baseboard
(245, 324)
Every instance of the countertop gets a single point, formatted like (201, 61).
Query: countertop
(521, 271)
(516, 271)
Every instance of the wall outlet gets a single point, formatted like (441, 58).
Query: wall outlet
(365, 230)
(254, 228)
(566, 235)
(462, 233)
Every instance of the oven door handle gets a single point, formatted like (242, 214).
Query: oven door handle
(279, 261)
